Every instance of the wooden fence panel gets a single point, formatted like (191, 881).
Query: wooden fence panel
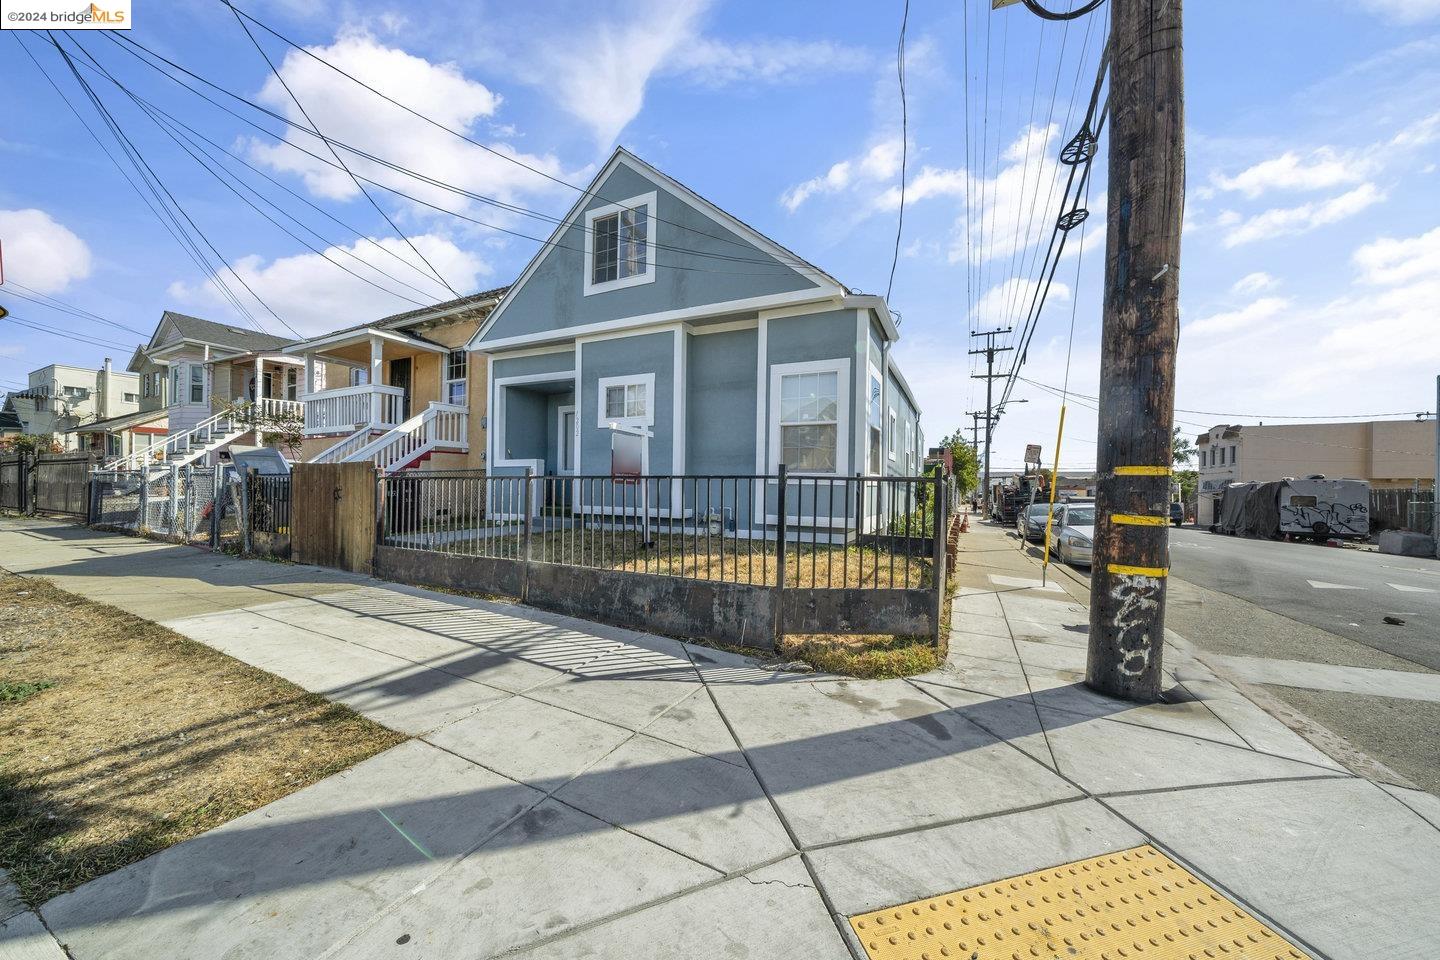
(333, 515)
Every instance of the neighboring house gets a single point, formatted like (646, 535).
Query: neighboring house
(195, 371)
(1387, 453)
(402, 391)
(652, 310)
(67, 397)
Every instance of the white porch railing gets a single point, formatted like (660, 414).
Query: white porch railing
(440, 426)
(181, 448)
(349, 408)
(273, 407)
(341, 451)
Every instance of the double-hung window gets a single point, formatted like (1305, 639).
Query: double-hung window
(292, 384)
(618, 245)
(455, 370)
(197, 383)
(627, 401)
(810, 416)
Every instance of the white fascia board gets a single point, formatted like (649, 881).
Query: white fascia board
(826, 285)
(651, 319)
(876, 303)
(362, 335)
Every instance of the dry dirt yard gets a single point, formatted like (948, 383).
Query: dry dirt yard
(119, 737)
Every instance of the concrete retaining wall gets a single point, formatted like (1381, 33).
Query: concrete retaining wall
(733, 613)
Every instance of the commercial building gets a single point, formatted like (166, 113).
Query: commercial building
(1388, 453)
(62, 398)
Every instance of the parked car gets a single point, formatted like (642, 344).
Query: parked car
(1074, 533)
(1177, 513)
(1031, 522)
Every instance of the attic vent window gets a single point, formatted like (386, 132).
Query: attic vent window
(617, 244)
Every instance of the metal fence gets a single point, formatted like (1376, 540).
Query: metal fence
(846, 532)
(171, 502)
(61, 483)
(265, 513)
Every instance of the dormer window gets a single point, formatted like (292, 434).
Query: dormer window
(618, 249)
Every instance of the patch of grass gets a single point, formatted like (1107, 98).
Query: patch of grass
(878, 657)
(148, 740)
(701, 557)
(13, 691)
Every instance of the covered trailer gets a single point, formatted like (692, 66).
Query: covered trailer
(1310, 507)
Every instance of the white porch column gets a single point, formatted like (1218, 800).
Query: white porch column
(259, 396)
(309, 373)
(376, 351)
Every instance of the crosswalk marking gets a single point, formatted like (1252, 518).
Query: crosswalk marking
(1322, 585)
(1406, 588)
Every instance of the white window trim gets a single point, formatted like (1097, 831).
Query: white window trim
(645, 379)
(890, 445)
(841, 368)
(647, 200)
(447, 380)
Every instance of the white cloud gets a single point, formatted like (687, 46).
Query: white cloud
(1422, 132)
(1323, 168)
(345, 111)
(1288, 221)
(1404, 11)
(1266, 308)
(1253, 283)
(315, 296)
(1390, 261)
(599, 71)
(881, 161)
(716, 63)
(40, 252)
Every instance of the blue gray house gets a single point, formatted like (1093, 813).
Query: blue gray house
(650, 310)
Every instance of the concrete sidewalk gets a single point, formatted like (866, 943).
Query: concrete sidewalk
(582, 791)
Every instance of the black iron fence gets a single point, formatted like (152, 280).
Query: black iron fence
(856, 532)
(265, 512)
(817, 554)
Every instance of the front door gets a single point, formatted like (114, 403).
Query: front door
(400, 377)
(564, 455)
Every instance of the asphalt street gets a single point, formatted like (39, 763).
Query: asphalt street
(1304, 625)
(1346, 592)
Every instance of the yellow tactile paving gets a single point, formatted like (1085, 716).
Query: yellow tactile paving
(1136, 904)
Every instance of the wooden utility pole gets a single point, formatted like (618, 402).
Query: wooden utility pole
(1137, 349)
(989, 376)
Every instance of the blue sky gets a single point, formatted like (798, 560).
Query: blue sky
(1311, 261)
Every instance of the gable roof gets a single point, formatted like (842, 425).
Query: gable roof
(435, 311)
(218, 334)
(824, 282)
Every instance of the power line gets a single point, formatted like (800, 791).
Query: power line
(54, 303)
(68, 334)
(167, 220)
(1034, 7)
(308, 119)
(460, 134)
(904, 145)
(440, 184)
(128, 42)
(138, 156)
